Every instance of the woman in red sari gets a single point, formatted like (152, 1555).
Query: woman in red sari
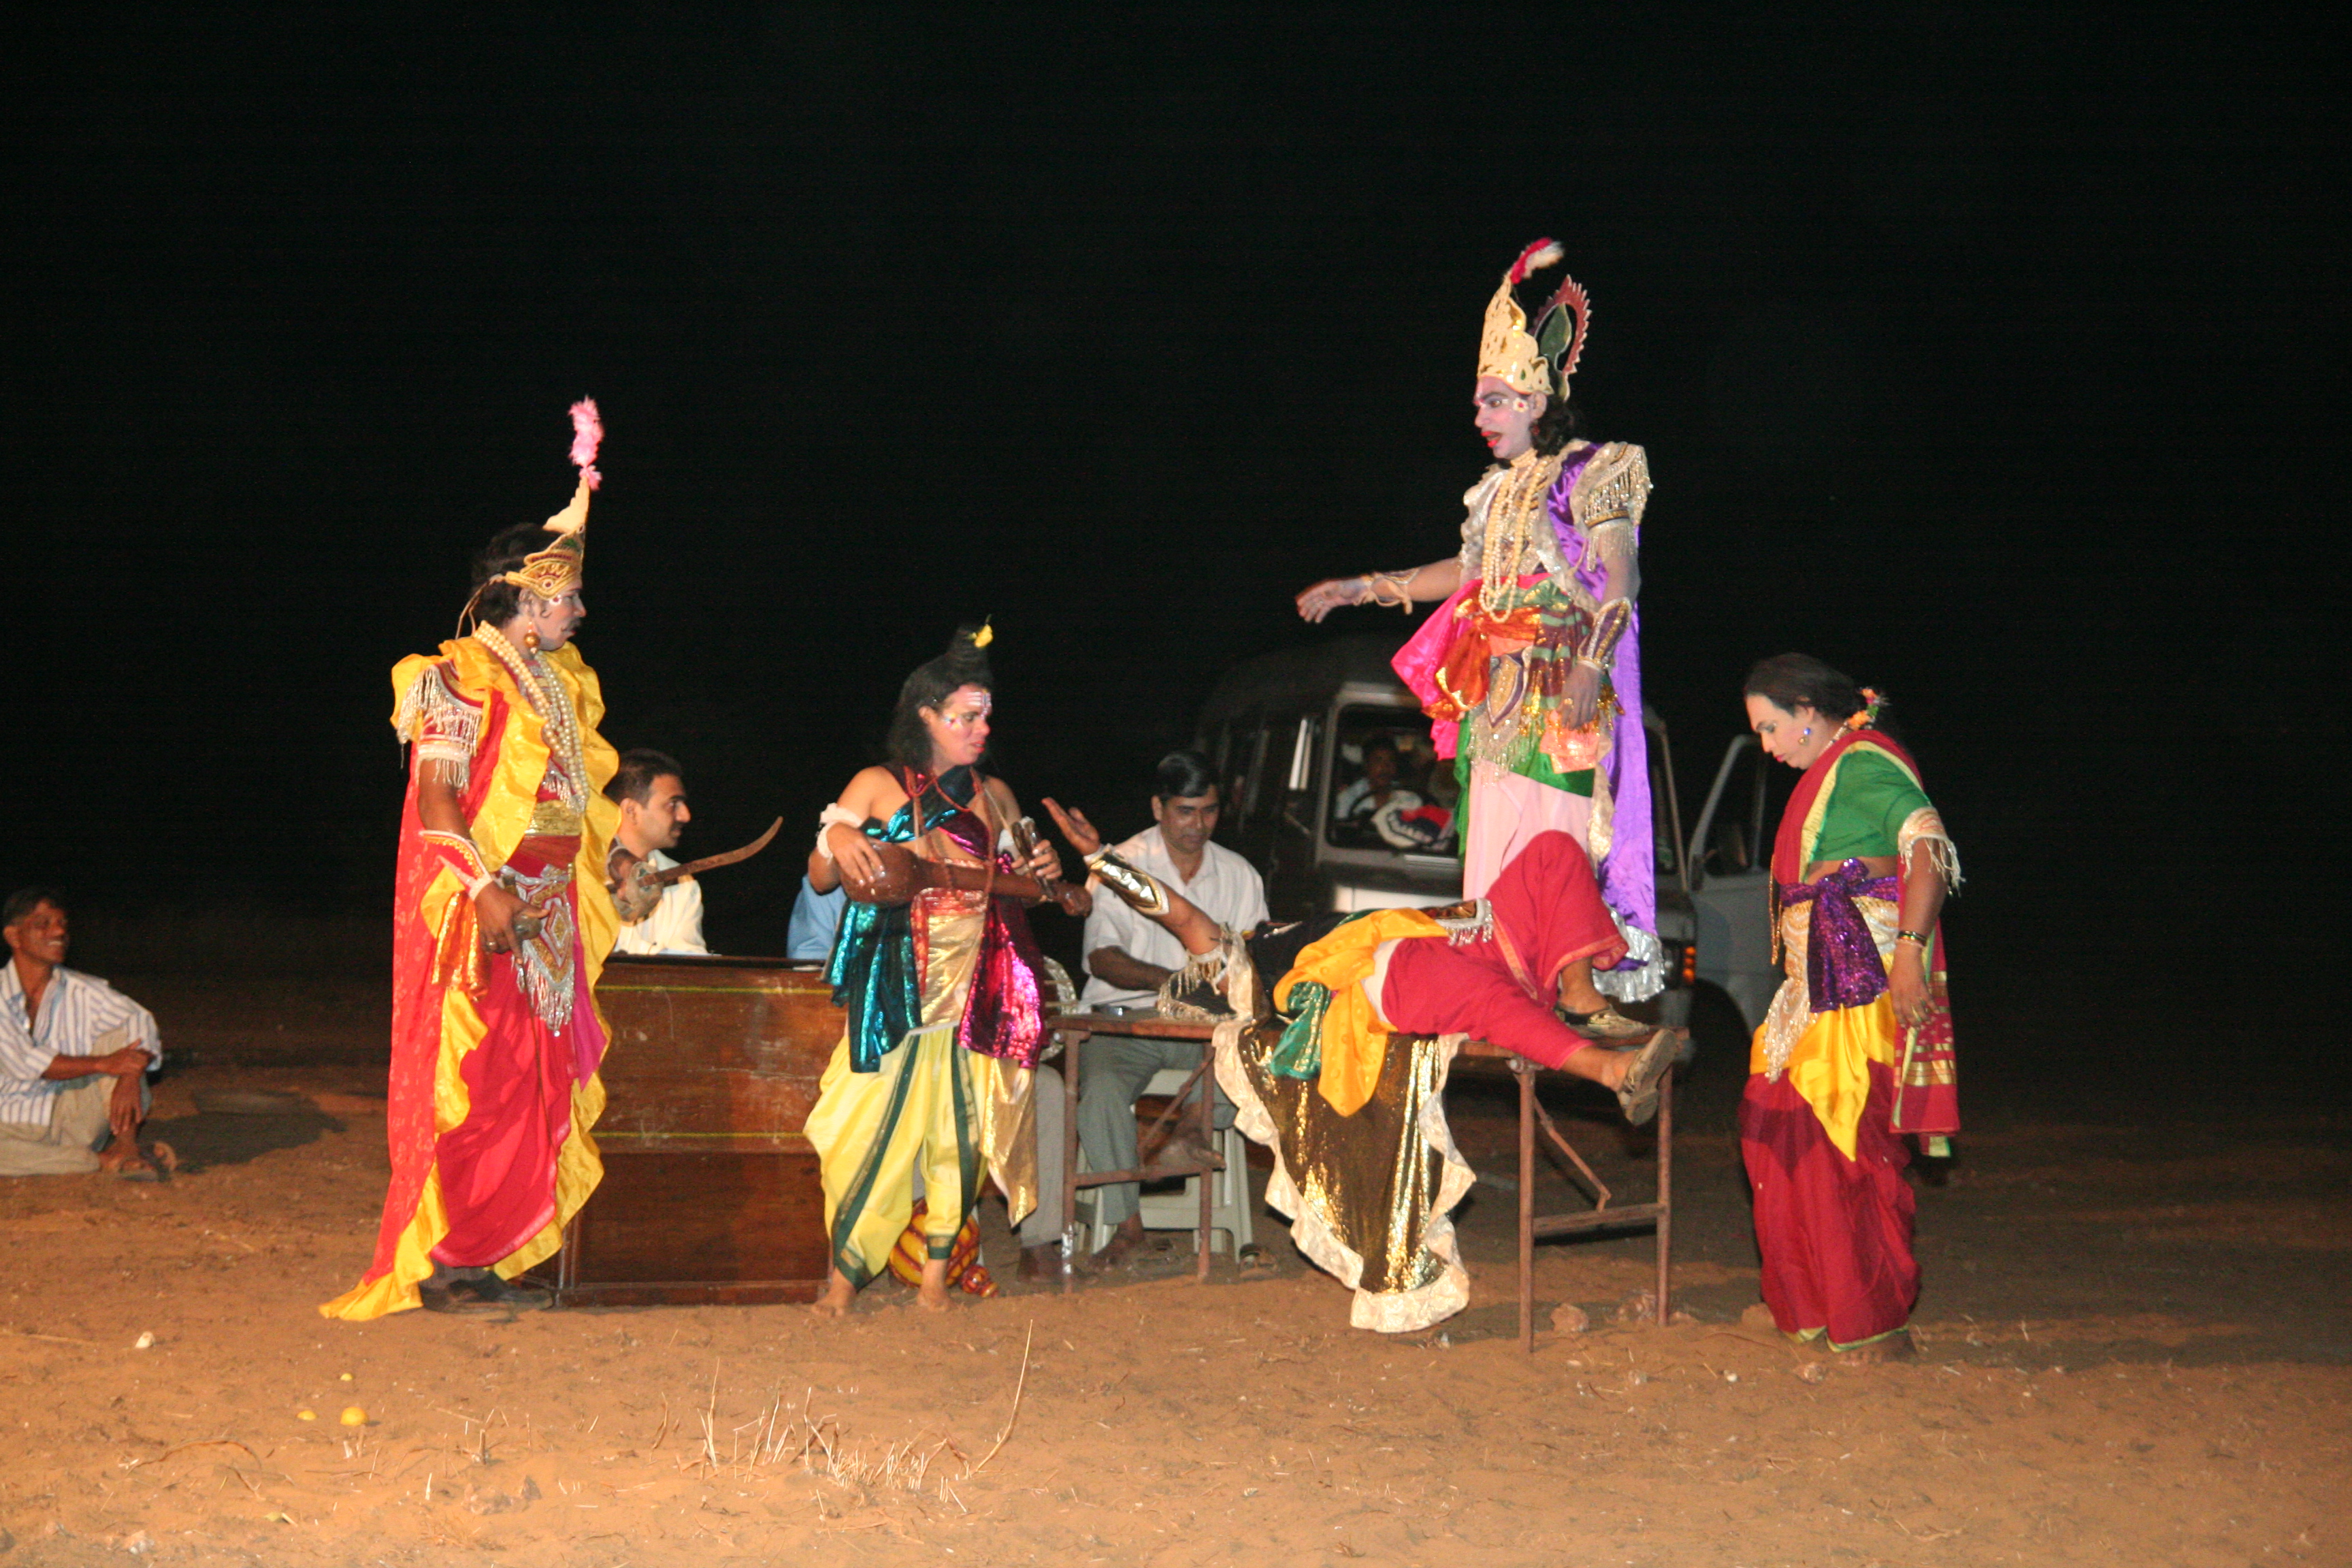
(1857, 1048)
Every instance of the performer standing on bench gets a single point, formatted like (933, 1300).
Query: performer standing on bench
(1340, 1066)
(934, 1071)
(1530, 667)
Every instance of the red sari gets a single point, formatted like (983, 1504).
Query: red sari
(1835, 1082)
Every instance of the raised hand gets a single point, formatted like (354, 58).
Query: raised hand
(1075, 828)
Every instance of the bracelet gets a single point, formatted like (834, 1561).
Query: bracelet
(1389, 588)
(1919, 937)
(1609, 623)
(474, 888)
(831, 816)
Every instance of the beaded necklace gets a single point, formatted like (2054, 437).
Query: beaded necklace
(543, 688)
(1511, 518)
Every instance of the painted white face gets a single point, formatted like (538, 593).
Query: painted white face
(957, 727)
(1506, 418)
(555, 620)
(1797, 739)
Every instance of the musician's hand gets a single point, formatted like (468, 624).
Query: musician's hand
(853, 852)
(635, 891)
(494, 914)
(1075, 828)
(1330, 595)
(1906, 982)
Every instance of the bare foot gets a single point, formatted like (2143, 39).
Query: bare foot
(1041, 1262)
(1124, 1242)
(932, 1294)
(838, 1295)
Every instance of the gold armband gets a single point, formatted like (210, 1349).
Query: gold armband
(1608, 627)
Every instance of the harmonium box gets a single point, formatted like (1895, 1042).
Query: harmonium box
(711, 1190)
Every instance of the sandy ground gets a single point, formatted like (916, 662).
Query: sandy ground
(2135, 1341)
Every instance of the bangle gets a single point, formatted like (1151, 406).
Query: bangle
(1389, 588)
(474, 888)
(833, 816)
(1919, 936)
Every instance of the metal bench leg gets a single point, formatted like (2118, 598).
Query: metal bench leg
(1526, 1206)
(1665, 1187)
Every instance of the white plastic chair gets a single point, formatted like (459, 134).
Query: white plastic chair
(1229, 1200)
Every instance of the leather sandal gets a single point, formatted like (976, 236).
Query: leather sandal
(1638, 1095)
(472, 1295)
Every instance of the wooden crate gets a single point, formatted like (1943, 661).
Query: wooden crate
(711, 1190)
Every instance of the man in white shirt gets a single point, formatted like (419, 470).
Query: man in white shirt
(1128, 956)
(75, 1054)
(651, 789)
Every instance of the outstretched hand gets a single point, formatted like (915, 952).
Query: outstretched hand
(1331, 593)
(1075, 828)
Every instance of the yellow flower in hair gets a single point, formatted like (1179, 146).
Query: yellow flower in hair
(986, 635)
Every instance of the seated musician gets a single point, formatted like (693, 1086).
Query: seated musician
(934, 1072)
(1128, 957)
(1341, 1061)
(650, 788)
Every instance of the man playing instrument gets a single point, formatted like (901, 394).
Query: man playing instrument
(650, 790)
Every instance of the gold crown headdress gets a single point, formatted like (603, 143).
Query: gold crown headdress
(1540, 360)
(556, 571)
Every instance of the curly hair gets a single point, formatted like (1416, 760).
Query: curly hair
(1556, 426)
(497, 602)
(963, 664)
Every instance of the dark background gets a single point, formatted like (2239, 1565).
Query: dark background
(1996, 356)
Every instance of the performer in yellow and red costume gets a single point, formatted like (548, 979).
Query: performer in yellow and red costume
(501, 925)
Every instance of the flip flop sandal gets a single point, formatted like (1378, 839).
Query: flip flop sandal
(1607, 1024)
(1638, 1095)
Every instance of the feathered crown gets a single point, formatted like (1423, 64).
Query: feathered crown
(556, 571)
(1541, 360)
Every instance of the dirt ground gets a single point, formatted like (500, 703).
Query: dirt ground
(2136, 1348)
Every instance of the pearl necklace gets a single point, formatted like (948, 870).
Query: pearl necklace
(1511, 517)
(543, 688)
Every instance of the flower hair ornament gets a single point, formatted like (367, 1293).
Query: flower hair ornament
(556, 571)
(1541, 358)
(1873, 699)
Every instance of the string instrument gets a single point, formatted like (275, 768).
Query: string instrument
(904, 874)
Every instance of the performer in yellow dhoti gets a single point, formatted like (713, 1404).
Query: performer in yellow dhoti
(933, 1072)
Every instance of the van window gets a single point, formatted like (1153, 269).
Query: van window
(1389, 789)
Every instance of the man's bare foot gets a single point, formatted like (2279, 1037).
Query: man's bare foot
(1184, 1148)
(838, 1295)
(1041, 1262)
(125, 1161)
(932, 1294)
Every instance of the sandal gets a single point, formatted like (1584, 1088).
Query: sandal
(1605, 1024)
(1638, 1095)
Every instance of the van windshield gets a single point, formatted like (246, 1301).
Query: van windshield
(1389, 790)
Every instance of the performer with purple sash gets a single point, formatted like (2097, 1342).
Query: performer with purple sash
(1530, 669)
(1856, 1050)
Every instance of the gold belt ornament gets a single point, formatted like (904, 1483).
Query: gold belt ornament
(554, 819)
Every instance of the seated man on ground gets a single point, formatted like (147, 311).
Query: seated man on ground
(651, 790)
(1130, 957)
(75, 1054)
(1337, 1036)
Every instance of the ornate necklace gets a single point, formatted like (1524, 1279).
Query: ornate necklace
(543, 688)
(1511, 520)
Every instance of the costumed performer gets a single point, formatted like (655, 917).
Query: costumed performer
(1531, 667)
(1340, 1066)
(1857, 1049)
(500, 927)
(935, 1070)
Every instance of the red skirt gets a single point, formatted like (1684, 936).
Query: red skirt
(1834, 1234)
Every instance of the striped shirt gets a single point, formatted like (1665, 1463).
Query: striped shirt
(82, 1016)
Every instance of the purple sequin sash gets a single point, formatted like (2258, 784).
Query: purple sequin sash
(1843, 968)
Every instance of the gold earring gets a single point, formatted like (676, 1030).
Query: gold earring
(530, 638)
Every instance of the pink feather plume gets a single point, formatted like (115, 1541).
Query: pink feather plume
(1543, 253)
(587, 435)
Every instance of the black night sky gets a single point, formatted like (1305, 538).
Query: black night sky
(1998, 356)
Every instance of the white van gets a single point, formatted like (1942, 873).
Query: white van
(1295, 738)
